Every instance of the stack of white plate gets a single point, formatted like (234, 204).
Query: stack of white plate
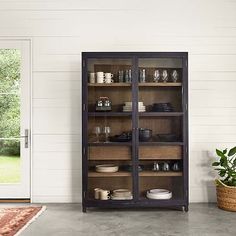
(107, 168)
(128, 107)
(121, 194)
(159, 194)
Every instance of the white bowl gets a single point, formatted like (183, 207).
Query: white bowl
(121, 193)
(107, 168)
(159, 194)
(121, 198)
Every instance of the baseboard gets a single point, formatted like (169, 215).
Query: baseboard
(14, 200)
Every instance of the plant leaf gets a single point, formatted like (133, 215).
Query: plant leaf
(232, 151)
(215, 163)
(219, 168)
(219, 153)
(225, 151)
(222, 173)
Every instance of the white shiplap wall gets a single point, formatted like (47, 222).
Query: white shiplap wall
(62, 29)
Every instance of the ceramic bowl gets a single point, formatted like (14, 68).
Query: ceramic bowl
(145, 134)
(159, 194)
(107, 168)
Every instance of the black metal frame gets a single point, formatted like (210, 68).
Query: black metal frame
(136, 202)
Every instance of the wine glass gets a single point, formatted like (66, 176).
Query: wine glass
(97, 131)
(107, 131)
(164, 76)
(174, 76)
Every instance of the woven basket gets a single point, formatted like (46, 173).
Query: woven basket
(226, 196)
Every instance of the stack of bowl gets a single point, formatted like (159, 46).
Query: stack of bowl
(128, 107)
(162, 107)
(159, 194)
(121, 194)
(145, 134)
(107, 168)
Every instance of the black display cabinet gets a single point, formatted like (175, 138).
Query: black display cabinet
(135, 129)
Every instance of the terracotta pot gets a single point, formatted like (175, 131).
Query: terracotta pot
(226, 196)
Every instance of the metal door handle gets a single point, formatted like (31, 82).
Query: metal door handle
(26, 136)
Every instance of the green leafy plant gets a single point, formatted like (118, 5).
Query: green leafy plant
(226, 166)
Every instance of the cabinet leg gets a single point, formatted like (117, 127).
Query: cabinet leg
(186, 208)
(84, 209)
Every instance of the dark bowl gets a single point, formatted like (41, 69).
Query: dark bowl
(145, 134)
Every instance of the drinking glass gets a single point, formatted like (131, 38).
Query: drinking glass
(127, 76)
(97, 131)
(164, 76)
(130, 76)
(156, 76)
(107, 131)
(174, 76)
(121, 76)
(142, 76)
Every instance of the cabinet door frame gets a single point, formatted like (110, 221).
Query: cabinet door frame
(85, 152)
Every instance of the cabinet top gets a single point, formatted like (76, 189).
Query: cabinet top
(134, 54)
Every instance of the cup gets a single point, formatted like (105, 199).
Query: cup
(108, 78)
(104, 194)
(100, 77)
(92, 77)
(97, 193)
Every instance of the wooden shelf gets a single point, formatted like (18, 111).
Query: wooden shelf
(115, 174)
(110, 144)
(110, 85)
(159, 173)
(113, 114)
(121, 158)
(160, 158)
(161, 143)
(110, 114)
(141, 174)
(161, 114)
(160, 84)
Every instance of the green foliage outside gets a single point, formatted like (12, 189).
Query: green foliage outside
(9, 169)
(9, 101)
(226, 166)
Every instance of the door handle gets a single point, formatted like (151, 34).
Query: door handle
(26, 136)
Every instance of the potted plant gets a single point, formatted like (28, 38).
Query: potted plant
(226, 184)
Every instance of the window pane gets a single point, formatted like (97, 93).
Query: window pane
(9, 161)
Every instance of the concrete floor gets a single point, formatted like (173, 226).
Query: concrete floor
(67, 219)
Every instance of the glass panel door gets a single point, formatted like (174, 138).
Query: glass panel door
(160, 128)
(14, 119)
(109, 129)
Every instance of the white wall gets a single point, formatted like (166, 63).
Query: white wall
(62, 29)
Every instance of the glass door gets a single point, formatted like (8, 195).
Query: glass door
(109, 129)
(14, 119)
(160, 123)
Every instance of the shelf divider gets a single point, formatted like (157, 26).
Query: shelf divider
(161, 84)
(114, 174)
(160, 173)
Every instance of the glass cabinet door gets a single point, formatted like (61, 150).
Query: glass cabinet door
(160, 123)
(109, 129)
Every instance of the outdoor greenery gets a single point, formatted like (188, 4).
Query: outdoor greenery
(9, 169)
(9, 101)
(226, 166)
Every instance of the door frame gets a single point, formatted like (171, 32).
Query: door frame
(30, 41)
